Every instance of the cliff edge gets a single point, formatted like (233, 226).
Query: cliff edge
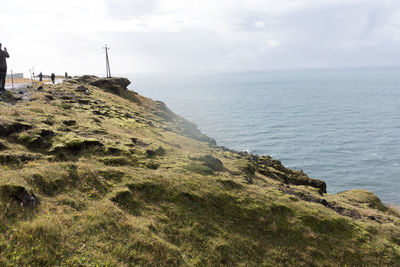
(93, 174)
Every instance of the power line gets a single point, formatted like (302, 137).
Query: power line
(108, 70)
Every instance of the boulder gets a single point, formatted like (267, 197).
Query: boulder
(18, 195)
(111, 83)
(82, 89)
(274, 169)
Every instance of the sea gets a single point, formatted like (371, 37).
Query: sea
(338, 125)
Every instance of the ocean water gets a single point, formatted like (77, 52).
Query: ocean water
(341, 126)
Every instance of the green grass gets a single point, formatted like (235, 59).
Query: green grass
(167, 199)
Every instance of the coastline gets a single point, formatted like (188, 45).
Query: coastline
(306, 121)
(90, 162)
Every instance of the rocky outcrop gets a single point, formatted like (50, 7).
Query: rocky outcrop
(190, 129)
(274, 169)
(19, 195)
(111, 83)
(123, 183)
(186, 127)
(9, 127)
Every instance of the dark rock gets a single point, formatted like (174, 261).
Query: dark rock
(249, 169)
(249, 180)
(111, 83)
(129, 116)
(114, 151)
(40, 88)
(274, 169)
(82, 89)
(84, 101)
(69, 122)
(153, 153)
(318, 184)
(3, 146)
(138, 142)
(49, 97)
(324, 202)
(46, 133)
(19, 195)
(37, 143)
(9, 127)
(372, 218)
(48, 122)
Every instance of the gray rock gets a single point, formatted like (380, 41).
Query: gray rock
(69, 122)
(82, 89)
(19, 195)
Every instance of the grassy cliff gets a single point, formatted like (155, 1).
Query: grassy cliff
(92, 174)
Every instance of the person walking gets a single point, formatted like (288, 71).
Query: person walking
(3, 67)
(40, 77)
(53, 78)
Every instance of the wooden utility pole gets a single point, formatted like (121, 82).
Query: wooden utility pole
(30, 71)
(108, 71)
(12, 81)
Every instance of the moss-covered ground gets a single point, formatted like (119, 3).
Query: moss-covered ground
(92, 174)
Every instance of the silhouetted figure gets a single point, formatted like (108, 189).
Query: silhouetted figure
(40, 77)
(3, 67)
(53, 78)
(66, 75)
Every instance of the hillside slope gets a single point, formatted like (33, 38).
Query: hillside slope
(92, 174)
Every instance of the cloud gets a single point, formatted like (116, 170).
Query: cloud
(179, 35)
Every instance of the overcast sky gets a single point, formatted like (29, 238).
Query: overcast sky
(199, 35)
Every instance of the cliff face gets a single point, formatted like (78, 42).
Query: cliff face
(92, 173)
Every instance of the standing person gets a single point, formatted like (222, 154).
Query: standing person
(66, 75)
(53, 78)
(40, 77)
(3, 67)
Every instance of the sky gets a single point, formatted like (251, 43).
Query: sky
(152, 36)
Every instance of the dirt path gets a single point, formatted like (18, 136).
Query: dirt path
(21, 92)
